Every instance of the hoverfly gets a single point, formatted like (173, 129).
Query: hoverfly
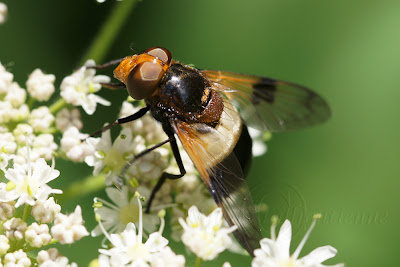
(208, 111)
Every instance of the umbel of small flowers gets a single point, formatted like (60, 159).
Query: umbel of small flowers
(205, 236)
(128, 248)
(274, 251)
(27, 188)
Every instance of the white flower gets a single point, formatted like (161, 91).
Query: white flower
(66, 118)
(45, 211)
(205, 236)
(17, 258)
(128, 247)
(3, 12)
(102, 1)
(78, 89)
(16, 96)
(69, 228)
(21, 157)
(41, 119)
(44, 146)
(72, 145)
(22, 132)
(28, 185)
(104, 261)
(151, 165)
(40, 85)
(5, 111)
(115, 216)
(7, 143)
(6, 210)
(52, 258)
(167, 258)
(226, 264)
(259, 147)
(110, 157)
(37, 235)
(197, 196)
(4, 245)
(4, 158)
(15, 228)
(20, 114)
(6, 77)
(275, 252)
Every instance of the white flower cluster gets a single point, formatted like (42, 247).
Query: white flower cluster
(26, 144)
(19, 123)
(78, 89)
(40, 86)
(274, 252)
(52, 258)
(206, 236)
(21, 119)
(29, 187)
(128, 248)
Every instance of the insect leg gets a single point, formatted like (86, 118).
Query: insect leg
(166, 175)
(119, 181)
(114, 86)
(107, 64)
(132, 117)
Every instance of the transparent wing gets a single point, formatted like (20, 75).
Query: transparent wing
(269, 104)
(223, 178)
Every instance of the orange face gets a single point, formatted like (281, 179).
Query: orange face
(142, 73)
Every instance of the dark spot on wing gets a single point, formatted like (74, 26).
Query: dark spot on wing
(264, 89)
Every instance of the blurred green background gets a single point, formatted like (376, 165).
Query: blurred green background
(348, 51)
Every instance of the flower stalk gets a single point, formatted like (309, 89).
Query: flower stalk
(198, 262)
(27, 211)
(110, 29)
(57, 106)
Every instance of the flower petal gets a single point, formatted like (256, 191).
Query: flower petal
(267, 246)
(284, 238)
(156, 242)
(119, 197)
(319, 255)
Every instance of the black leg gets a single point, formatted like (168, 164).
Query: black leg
(119, 181)
(114, 86)
(107, 64)
(166, 175)
(141, 154)
(132, 117)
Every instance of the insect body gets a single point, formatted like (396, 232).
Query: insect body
(208, 111)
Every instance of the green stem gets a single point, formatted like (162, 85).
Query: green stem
(198, 262)
(83, 187)
(57, 106)
(27, 211)
(31, 102)
(104, 39)
(110, 29)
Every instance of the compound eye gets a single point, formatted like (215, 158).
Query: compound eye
(143, 80)
(160, 53)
